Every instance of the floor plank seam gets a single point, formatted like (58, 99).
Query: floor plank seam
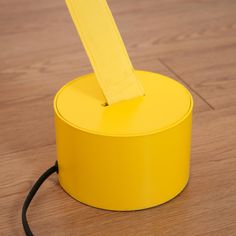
(185, 83)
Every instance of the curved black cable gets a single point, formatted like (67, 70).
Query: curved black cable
(31, 194)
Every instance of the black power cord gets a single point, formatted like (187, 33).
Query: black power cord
(31, 194)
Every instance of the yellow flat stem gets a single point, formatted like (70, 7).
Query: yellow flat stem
(105, 49)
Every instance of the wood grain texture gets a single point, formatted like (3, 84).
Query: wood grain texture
(193, 41)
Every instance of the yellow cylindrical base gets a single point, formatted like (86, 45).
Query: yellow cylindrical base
(128, 156)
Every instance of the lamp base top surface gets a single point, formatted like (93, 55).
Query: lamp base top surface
(81, 104)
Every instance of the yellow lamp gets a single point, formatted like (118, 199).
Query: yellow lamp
(127, 156)
(123, 136)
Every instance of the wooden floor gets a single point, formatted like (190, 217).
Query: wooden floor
(192, 41)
